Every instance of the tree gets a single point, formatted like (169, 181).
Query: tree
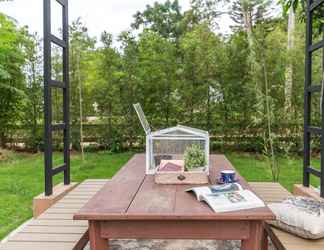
(247, 12)
(289, 70)
(12, 79)
(34, 91)
(129, 85)
(270, 72)
(163, 18)
(81, 45)
(108, 91)
(238, 92)
(201, 73)
(207, 11)
(157, 74)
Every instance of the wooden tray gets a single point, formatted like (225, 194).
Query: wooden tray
(181, 177)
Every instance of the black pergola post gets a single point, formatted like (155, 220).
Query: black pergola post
(49, 84)
(310, 88)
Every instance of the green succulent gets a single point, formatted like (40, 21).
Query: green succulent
(194, 157)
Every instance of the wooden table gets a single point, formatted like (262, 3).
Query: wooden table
(132, 206)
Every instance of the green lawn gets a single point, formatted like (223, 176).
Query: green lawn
(254, 168)
(21, 178)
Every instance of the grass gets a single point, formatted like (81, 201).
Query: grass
(254, 168)
(21, 177)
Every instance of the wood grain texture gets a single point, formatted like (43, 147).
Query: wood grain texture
(174, 178)
(163, 229)
(61, 229)
(46, 237)
(133, 195)
(96, 241)
(254, 241)
(37, 246)
(116, 196)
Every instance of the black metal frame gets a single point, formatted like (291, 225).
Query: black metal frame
(312, 5)
(49, 83)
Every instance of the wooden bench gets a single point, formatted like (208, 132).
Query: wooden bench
(55, 229)
(274, 192)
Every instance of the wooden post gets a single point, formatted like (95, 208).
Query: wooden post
(264, 240)
(96, 242)
(254, 241)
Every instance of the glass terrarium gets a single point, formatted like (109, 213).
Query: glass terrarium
(178, 154)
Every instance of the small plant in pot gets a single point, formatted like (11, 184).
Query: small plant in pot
(194, 158)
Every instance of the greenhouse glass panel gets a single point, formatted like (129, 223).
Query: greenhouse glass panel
(178, 148)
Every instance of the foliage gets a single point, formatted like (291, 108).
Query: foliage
(300, 6)
(194, 157)
(81, 45)
(178, 68)
(34, 105)
(12, 58)
(163, 18)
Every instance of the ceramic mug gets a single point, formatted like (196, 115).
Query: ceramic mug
(227, 176)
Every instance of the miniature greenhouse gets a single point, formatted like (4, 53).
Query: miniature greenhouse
(178, 148)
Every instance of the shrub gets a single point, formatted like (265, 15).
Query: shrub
(194, 157)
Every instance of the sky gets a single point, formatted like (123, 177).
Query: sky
(113, 16)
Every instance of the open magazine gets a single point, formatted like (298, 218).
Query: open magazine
(227, 197)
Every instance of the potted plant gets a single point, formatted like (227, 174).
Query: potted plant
(194, 158)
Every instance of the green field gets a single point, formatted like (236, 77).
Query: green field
(21, 177)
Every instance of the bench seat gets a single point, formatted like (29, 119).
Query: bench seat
(274, 192)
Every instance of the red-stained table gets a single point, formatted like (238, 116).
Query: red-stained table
(133, 206)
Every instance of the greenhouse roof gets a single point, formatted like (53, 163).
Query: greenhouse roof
(181, 130)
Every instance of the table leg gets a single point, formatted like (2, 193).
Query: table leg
(254, 241)
(96, 242)
(264, 240)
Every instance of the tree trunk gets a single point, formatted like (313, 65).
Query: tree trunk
(248, 27)
(289, 69)
(80, 105)
(208, 113)
(247, 18)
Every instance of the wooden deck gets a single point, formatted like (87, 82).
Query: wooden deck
(55, 229)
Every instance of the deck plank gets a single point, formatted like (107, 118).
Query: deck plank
(68, 201)
(60, 205)
(62, 210)
(52, 229)
(46, 216)
(45, 237)
(37, 246)
(55, 229)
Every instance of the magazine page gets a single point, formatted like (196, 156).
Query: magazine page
(200, 191)
(203, 191)
(232, 201)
